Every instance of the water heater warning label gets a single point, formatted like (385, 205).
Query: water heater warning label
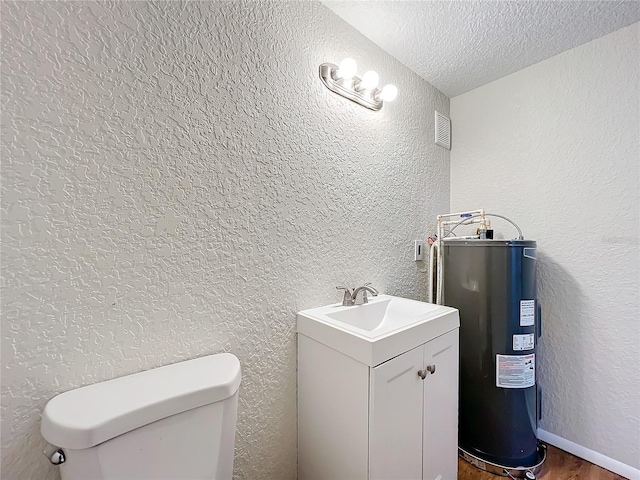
(523, 342)
(516, 371)
(527, 312)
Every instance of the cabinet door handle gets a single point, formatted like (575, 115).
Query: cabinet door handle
(423, 373)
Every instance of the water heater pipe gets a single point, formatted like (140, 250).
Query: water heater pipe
(433, 255)
(435, 252)
(465, 221)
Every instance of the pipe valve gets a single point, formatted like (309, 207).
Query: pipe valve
(55, 455)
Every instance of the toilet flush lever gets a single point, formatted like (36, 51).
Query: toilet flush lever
(54, 454)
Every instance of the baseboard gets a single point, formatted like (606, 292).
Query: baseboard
(594, 457)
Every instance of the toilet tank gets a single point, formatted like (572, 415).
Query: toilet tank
(174, 422)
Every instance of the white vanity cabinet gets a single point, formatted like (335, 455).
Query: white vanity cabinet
(378, 422)
(413, 422)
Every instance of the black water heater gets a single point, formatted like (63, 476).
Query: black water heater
(493, 285)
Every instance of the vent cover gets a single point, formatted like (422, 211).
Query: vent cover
(443, 131)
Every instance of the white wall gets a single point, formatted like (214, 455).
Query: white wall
(555, 148)
(176, 181)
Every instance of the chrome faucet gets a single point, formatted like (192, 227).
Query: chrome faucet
(352, 298)
(364, 289)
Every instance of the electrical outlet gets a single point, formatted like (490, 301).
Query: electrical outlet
(419, 250)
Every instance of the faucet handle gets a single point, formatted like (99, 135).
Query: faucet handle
(346, 299)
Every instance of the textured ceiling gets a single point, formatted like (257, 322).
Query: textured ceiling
(460, 45)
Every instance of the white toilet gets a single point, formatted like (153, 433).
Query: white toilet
(176, 422)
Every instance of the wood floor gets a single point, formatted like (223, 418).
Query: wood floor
(559, 465)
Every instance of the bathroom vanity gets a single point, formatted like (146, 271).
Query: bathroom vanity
(378, 391)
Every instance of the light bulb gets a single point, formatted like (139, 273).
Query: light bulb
(347, 68)
(369, 80)
(388, 93)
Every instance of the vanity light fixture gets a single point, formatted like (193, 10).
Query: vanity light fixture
(342, 80)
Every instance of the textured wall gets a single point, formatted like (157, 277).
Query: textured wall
(176, 181)
(555, 147)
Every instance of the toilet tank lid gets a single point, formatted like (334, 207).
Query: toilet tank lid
(90, 415)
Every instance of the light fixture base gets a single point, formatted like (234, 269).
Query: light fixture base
(366, 98)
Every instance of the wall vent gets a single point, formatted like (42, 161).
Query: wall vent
(443, 131)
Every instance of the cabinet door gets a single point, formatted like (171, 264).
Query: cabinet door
(441, 408)
(395, 418)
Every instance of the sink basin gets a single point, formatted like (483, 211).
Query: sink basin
(373, 333)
